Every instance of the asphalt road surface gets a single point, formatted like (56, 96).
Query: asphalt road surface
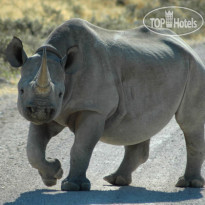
(153, 182)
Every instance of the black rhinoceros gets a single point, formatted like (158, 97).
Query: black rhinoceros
(119, 87)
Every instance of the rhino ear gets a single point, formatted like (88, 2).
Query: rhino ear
(15, 53)
(68, 60)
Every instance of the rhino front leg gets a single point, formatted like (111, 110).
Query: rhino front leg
(89, 127)
(38, 138)
(134, 156)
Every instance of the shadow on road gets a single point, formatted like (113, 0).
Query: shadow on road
(122, 195)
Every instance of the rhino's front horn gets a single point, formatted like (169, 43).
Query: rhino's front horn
(43, 80)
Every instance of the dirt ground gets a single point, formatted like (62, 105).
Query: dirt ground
(153, 182)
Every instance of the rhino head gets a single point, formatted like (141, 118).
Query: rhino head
(41, 87)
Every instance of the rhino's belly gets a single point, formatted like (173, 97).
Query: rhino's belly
(135, 130)
(145, 108)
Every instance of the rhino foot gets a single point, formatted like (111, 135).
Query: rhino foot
(52, 173)
(75, 185)
(192, 182)
(118, 180)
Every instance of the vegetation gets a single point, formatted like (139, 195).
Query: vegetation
(32, 21)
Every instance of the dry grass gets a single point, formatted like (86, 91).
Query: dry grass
(17, 9)
(8, 90)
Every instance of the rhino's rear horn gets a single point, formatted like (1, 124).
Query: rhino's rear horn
(43, 80)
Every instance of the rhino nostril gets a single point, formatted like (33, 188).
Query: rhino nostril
(31, 109)
(49, 111)
(40, 112)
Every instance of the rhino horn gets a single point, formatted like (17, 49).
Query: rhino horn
(43, 80)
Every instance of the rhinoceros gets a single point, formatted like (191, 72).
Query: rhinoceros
(118, 87)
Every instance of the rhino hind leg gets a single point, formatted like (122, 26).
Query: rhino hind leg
(195, 145)
(134, 156)
(190, 116)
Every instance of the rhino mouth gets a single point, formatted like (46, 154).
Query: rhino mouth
(41, 114)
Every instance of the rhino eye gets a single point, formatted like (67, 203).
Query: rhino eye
(21, 91)
(60, 94)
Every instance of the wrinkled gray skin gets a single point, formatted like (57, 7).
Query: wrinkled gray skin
(120, 87)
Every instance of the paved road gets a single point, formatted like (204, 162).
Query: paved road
(153, 183)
